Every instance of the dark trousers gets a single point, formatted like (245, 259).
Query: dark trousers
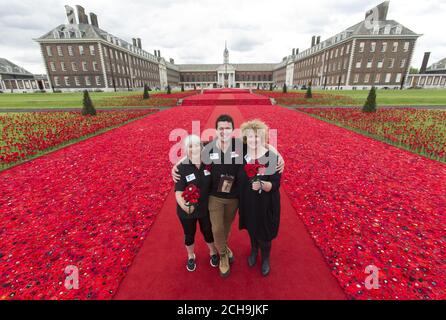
(190, 228)
(264, 246)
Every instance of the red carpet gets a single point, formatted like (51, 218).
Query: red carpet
(159, 272)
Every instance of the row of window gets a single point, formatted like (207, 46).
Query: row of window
(368, 78)
(77, 81)
(337, 66)
(70, 50)
(334, 53)
(384, 45)
(74, 66)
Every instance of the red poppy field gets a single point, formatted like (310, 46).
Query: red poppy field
(90, 204)
(155, 100)
(365, 203)
(93, 204)
(421, 131)
(298, 98)
(26, 134)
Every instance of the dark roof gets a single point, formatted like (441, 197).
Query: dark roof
(7, 67)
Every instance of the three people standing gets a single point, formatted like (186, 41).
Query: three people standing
(226, 158)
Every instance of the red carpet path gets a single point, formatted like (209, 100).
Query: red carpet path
(159, 272)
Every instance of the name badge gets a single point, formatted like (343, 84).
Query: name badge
(214, 156)
(190, 177)
(248, 159)
(206, 173)
(234, 154)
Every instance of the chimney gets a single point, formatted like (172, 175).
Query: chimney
(134, 42)
(82, 17)
(294, 52)
(138, 40)
(94, 19)
(313, 41)
(297, 51)
(70, 15)
(172, 61)
(159, 54)
(318, 40)
(425, 62)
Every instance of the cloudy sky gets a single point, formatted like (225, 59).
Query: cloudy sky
(194, 31)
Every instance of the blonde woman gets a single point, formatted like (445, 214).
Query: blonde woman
(193, 172)
(259, 184)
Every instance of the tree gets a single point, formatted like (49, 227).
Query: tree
(284, 88)
(169, 91)
(88, 107)
(182, 87)
(146, 92)
(309, 93)
(370, 104)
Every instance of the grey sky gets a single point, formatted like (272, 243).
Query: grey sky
(194, 31)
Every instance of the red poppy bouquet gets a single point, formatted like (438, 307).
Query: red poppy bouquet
(252, 171)
(191, 195)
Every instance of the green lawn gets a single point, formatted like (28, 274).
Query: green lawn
(56, 100)
(412, 97)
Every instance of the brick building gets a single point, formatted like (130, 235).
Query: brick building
(16, 79)
(432, 77)
(374, 52)
(79, 55)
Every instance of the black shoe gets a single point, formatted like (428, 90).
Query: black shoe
(214, 261)
(252, 259)
(191, 265)
(231, 256)
(265, 267)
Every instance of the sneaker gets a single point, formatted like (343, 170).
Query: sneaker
(214, 261)
(230, 255)
(191, 265)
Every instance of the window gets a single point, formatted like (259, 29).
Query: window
(377, 77)
(48, 51)
(345, 63)
(380, 63)
(73, 66)
(87, 81)
(395, 47)
(95, 66)
(92, 50)
(406, 46)
(384, 47)
(373, 47)
(356, 80)
(59, 51)
(98, 80)
(62, 66)
(81, 50)
(56, 81)
(70, 50)
(67, 81)
(388, 77)
(358, 64)
(84, 66)
(361, 46)
(367, 78)
(398, 78)
(348, 49)
(52, 66)
(76, 80)
(369, 63)
(403, 63)
(391, 63)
